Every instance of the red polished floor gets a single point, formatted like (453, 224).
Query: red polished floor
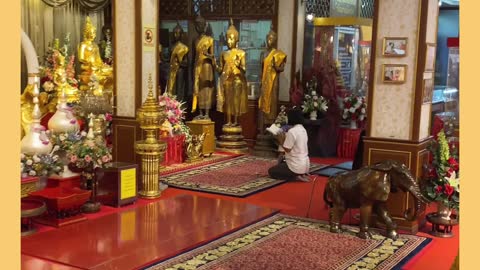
(305, 200)
(141, 235)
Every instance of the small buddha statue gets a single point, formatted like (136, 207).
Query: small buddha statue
(232, 98)
(273, 63)
(92, 63)
(203, 77)
(60, 80)
(26, 105)
(178, 66)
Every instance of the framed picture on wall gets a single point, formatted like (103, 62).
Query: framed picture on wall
(430, 57)
(395, 46)
(394, 73)
(427, 90)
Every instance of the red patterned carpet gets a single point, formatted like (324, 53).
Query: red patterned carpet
(290, 243)
(239, 177)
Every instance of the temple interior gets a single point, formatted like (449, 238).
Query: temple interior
(239, 134)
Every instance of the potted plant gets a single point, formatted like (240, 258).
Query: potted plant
(354, 109)
(443, 178)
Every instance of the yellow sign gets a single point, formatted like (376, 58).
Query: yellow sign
(128, 183)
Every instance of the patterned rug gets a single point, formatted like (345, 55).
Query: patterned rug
(214, 158)
(290, 243)
(239, 177)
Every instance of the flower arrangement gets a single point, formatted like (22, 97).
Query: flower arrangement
(354, 108)
(314, 103)
(90, 153)
(442, 183)
(50, 64)
(65, 141)
(280, 123)
(41, 165)
(175, 112)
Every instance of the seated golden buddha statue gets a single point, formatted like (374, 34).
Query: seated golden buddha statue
(92, 64)
(60, 81)
(232, 98)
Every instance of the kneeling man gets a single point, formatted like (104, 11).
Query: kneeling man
(296, 164)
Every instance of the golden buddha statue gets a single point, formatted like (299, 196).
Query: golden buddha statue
(60, 81)
(92, 64)
(26, 105)
(273, 63)
(203, 77)
(178, 66)
(232, 98)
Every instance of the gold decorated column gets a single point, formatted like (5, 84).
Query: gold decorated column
(150, 116)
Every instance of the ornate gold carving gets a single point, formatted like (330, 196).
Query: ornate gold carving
(150, 116)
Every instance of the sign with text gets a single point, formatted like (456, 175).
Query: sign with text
(343, 8)
(128, 183)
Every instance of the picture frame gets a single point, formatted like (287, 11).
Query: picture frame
(394, 73)
(395, 46)
(427, 89)
(430, 54)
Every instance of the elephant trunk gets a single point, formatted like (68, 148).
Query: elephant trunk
(410, 214)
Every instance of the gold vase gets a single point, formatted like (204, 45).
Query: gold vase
(99, 127)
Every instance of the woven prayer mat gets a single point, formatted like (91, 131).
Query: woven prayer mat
(344, 165)
(214, 158)
(240, 177)
(329, 171)
(290, 243)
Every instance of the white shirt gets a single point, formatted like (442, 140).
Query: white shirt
(297, 159)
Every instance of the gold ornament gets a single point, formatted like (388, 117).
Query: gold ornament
(151, 117)
(194, 148)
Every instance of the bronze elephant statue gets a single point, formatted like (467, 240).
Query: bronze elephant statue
(368, 188)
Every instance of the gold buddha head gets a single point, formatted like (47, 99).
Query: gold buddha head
(89, 32)
(200, 24)
(271, 38)
(232, 36)
(177, 32)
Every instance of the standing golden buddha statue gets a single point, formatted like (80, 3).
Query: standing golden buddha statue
(92, 63)
(178, 66)
(232, 97)
(203, 70)
(273, 63)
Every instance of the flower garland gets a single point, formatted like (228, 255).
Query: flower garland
(354, 108)
(442, 183)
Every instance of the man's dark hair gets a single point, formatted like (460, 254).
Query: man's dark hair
(295, 117)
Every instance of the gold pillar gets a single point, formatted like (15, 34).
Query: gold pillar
(150, 116)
